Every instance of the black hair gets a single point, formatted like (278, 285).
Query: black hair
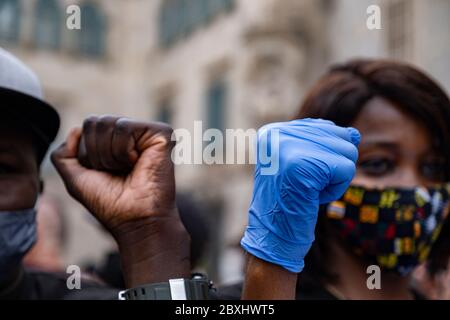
(339, 96)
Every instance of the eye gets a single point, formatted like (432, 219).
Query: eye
(434, 170)
(376, 166)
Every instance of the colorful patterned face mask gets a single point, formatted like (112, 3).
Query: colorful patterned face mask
(392, 228)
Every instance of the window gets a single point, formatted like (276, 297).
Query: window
(92, 33)
(47, 24)
(191, 16)
(219, 6)
(228, 4)
(163, 22)
(399, 35)
(168, 23)
(216, 102)
(165, 112)
(204, 10)
(9, 20)
(179, 18)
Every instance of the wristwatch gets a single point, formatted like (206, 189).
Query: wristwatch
(196, 288)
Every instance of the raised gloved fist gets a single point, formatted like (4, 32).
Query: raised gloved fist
(120, 170)
(316, 165)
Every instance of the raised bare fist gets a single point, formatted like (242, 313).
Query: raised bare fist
(119, 169)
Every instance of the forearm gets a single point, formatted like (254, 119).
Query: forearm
(267, 281)
(154, 250)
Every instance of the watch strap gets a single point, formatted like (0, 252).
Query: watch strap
(175, 289)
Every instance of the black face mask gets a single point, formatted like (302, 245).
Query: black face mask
(18, 233)
(393, 228)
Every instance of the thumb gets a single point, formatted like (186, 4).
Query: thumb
(343, 174)
(64, 158)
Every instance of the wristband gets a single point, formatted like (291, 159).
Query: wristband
(197, 288)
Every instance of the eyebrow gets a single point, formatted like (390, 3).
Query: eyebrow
(391, 145)
(380, 143)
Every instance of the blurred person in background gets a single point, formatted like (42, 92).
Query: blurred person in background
(394, 214)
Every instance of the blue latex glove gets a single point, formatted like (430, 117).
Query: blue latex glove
(316, 165)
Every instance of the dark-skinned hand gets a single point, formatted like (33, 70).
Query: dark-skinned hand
(121, 171)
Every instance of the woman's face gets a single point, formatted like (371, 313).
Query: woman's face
(396, 150)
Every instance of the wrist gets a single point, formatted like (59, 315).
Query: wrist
(153, 249)
(261, 275)
(198, 287)
(289, 256)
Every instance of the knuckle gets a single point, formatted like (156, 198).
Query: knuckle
(166, 142)
(105, 123)
(89, 123)
(267, 136)
(170, 143)
(163, 131)
(350, 151)
(166, 129)
(269, 128)
(348, 166)
(123, 126)
(107, 118)
(167, 132)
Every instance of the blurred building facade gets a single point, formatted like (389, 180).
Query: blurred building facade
(229, 63)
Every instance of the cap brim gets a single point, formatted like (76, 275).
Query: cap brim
(41, 117)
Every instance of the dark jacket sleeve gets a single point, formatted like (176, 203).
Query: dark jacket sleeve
(35, 285)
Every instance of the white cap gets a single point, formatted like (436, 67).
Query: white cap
(17, 76)
(21, 97)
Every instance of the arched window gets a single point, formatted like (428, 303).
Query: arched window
(93, 31)
(9, 20)
(47, 24)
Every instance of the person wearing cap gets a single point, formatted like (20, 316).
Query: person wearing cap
(119, 169)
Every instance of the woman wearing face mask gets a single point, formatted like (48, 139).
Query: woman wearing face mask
(390, 212)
